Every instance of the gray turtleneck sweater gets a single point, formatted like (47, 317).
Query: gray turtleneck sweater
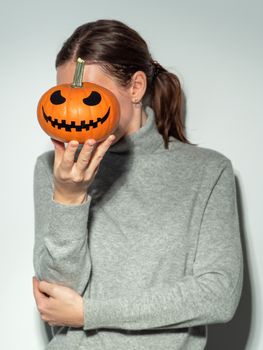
(155, 251)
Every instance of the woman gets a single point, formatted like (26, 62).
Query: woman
(137, 240)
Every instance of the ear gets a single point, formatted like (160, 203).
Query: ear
(138, 85)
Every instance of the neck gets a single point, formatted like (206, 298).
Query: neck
(142, 138)
(138, 120)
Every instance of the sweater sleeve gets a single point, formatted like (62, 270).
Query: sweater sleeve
(61, 253)
(209, 295)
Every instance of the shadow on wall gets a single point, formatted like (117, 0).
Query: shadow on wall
(48, 333)
(234, 334)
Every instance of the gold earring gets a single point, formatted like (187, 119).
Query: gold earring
(137, 103)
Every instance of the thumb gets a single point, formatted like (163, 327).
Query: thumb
(59, 150)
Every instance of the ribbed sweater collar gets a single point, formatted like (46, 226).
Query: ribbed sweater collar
(143, 141)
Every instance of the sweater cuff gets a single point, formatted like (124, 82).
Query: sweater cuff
(97, 313)
(69, 221)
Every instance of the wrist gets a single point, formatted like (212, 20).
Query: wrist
(69, 198)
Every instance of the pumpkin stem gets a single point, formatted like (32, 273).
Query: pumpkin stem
(78, 75)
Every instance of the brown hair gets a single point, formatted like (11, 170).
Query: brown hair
(122, 52)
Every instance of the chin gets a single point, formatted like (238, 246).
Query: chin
(118, 137)
(118, 134)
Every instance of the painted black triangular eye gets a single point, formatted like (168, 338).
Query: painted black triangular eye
(93, 99)
(56, 98)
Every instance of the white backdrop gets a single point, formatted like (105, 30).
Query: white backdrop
(215, 47)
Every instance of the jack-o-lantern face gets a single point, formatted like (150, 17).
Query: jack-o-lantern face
(78, 113)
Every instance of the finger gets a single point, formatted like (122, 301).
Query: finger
(99, 154)
(85, 154)
(37, 293)
(46, 287)
(59, 151)
(34, 280)
(68, 156)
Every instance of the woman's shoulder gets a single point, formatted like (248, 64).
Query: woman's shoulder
(196, 155)
(46, 160)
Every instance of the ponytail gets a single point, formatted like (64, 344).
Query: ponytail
(167, 102)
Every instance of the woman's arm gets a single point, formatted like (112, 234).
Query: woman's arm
(61, 253)
(210, 295)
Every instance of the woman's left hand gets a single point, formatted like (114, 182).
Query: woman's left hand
(58, 305)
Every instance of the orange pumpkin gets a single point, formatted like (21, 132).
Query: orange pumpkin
(78, 111)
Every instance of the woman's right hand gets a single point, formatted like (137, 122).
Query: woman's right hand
(72, 179)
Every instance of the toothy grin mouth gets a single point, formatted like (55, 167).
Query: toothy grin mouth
(83, 124)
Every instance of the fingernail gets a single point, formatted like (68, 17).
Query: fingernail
(74, 143)
(91, 142)
(112, 138)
